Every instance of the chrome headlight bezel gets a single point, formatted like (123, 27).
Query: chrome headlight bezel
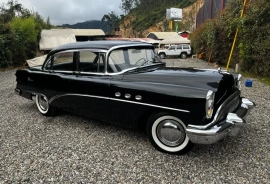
(209, 105)
(238, 81)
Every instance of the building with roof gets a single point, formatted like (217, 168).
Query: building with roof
(56, 37)
(175, 39)
(159, 35)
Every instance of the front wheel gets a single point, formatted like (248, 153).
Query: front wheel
(162, 55)
(44, 106)
(168, 134)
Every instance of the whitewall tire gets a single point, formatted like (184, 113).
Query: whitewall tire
(168, 134)
(43, 105)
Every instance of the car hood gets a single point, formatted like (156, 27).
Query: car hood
(190, 77)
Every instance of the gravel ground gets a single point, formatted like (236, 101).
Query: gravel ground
(73, 149)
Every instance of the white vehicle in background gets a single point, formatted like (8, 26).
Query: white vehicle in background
(182, 50)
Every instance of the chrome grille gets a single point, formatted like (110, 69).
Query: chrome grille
(229, 105)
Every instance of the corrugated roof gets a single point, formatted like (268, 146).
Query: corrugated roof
(56, 32)
(76, 32)
(55, 37)
(162, 35)
(175, 39)
(88, 32)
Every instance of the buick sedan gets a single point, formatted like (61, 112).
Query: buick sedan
(125, 83)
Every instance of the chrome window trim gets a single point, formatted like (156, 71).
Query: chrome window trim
(114, 99)
(129, 69)
(90, 73)
(107, 52)
(45, 63)
(74, 50)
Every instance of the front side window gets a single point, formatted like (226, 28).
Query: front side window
(127, 58)
(63, 61)
(172, 48)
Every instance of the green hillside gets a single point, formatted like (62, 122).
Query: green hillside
(150, 12)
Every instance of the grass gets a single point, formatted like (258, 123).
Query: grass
(264, 80)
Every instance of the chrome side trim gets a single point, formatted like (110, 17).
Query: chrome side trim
(114, 99)
(91, 96)
(151, 105)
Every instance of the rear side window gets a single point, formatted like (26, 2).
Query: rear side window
(63, 61)
(90, 61)
(185, 47)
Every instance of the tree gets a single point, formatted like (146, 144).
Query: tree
(10, 10)
(25, 41)
(112, 21)
(48, 23)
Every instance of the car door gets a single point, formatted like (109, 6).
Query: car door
(171, 51)
(178, 50)
(56, 78)
(90, 86)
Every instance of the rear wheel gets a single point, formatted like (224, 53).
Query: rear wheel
(183, 55)
(168, 134)
(162, 55)
(44, 107)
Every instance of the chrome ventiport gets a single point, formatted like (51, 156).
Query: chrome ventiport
(117, 94)
(127, 96)
(138, 97)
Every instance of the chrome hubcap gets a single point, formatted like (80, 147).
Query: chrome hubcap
(171, 133)
(43, 102)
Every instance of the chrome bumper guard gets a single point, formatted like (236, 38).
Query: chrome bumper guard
(229, 127)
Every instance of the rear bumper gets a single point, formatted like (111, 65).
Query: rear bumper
(24, 94)
(229, 127)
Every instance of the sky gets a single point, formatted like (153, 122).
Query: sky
(71, 11)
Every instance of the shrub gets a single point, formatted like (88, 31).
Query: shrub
(253, 43)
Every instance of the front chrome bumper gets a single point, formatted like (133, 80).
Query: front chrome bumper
(229, 127)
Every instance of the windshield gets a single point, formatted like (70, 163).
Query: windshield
(129, 58)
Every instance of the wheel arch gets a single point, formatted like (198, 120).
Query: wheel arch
(143, 120)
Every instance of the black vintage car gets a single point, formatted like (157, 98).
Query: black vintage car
(126, 84)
